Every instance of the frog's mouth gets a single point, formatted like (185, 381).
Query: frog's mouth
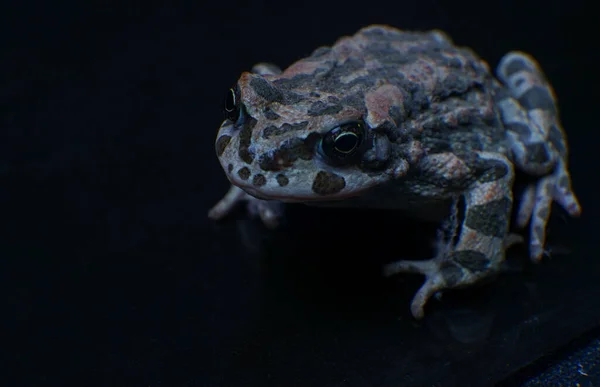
(295, 195)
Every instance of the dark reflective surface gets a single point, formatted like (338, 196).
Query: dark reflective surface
(114, 275)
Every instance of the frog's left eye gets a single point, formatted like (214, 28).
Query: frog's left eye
(232, 104)
(343, 143)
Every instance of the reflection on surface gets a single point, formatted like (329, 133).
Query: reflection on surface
(326, 314)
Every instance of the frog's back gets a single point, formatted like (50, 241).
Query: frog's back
(427, 63)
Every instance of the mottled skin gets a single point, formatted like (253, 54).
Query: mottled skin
(414, 121)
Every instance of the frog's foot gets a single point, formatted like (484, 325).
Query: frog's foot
(454, 270)
(539, 144)
(477, 251)
(270, 212)
(448, 270)
(536, 203)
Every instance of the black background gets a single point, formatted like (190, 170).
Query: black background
(113, 275)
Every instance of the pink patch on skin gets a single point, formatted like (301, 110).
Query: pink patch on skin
(300, 67)
(378, 104)
(347, 47)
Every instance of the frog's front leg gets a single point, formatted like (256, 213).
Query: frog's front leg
(483, 237)
(529, 112)
(270, 212)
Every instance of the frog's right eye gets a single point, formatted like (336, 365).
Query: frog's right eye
(232, 104)
(344, 143)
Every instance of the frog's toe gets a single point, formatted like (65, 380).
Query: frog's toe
(227, 203)
(539, 217)
(270, 212)
(563, 193)
(526, 205)
(453, 270)
(434, 281)
(555, 187)
(432, 285)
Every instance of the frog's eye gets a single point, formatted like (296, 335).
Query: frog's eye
(342, 143)
(232, 104)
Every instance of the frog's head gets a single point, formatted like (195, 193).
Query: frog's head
(292, 141)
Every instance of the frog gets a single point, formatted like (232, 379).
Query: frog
(394, 119)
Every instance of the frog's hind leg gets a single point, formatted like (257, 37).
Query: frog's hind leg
(483, 237)
(528, 108)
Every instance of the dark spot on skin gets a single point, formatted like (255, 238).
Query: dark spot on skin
(478, 67)
(544, 212)
(244, 173)
(259, 180)
(493, 119)
(537, 153)
(431, 177)
(396, 114)
(537, 98)
(245, 140)
(365, 81)
(556, 139)
(469, 158)
(294, 82)
(474, 261)
(354, 101)
(221, 144)
(285, 128)
(454, 84)
(282, 180)
(416, 102)
(266, 90)
(270, 130)
(291, 98)
(563, 182)
(389, 55)
(314, 94)
(514, 66)
(389, 73)
(320, 108)
(353, 64)
(332, 82)
(327, 183)
(435, 145)
(230, 168)
(539, 232)
(454, 63)
(270, 114)
(289, 152)
(490, 218)
(333, 99)
(521, 130)
(490, 170)
(500, 94)
(451, 273)
(378, 155)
